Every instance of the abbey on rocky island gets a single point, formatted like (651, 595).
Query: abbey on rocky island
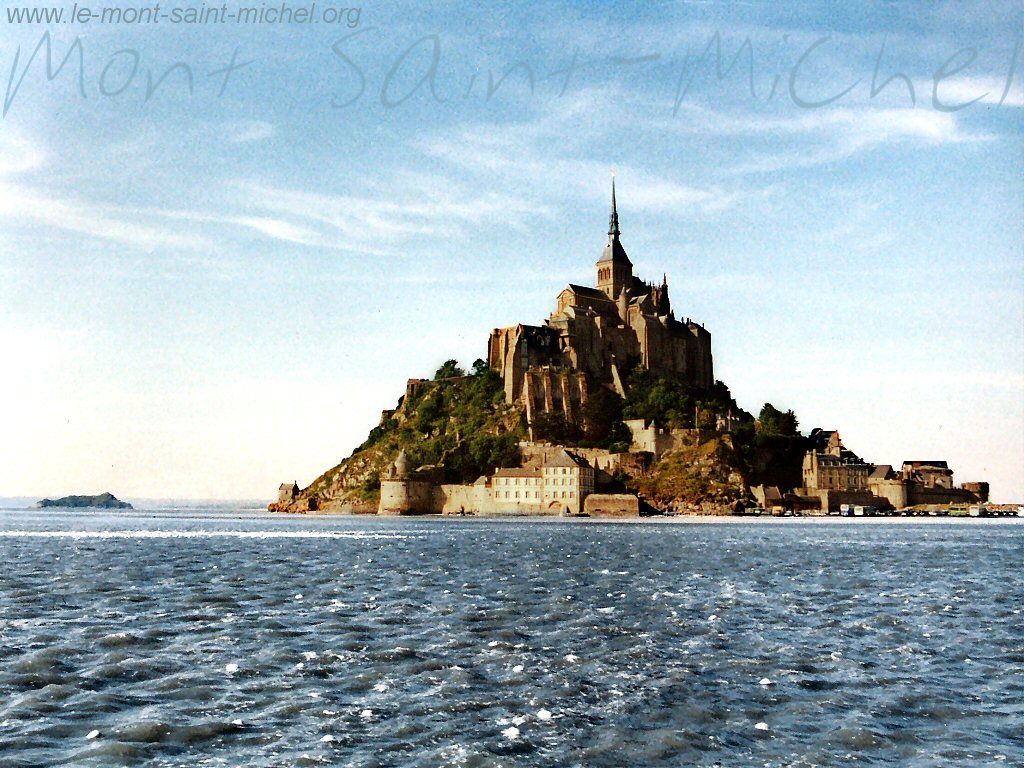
(592, 341)
(596, 335)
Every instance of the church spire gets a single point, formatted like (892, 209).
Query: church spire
(614, 269)
(613, 221)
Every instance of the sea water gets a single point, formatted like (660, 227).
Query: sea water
(195, 635)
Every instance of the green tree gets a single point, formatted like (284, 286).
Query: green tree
(429, 412)
(705, 418)
(772, 421)
(619, 438)
(449, 370)
(554, 428)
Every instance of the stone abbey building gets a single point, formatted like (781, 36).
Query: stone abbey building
(595, 336)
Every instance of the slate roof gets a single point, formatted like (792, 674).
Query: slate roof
(590, 293)
(565, 459)
(516, 472)
(614, 252)
(819, 437)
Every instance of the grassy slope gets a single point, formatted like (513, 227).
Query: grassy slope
(460, 424)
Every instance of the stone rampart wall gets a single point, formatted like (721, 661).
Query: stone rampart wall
(457, 499)
(893, 491)
(918, 494)
(611, 505)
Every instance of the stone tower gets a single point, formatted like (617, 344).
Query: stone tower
(614, 269)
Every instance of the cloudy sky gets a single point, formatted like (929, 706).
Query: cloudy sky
(224, 247)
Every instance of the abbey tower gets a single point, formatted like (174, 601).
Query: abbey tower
(614, 269)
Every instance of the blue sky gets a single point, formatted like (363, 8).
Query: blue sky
(205, 294)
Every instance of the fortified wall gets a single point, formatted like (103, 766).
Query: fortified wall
(553, 481)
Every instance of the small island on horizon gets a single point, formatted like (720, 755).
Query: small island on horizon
(100, 501)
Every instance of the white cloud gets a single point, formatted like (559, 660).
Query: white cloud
(26, 206)
(248, 130)
(520, 156)
(385, 218)
(278, 230)
(819, 136)
(382, 220)
(988, 90)
(19, 155)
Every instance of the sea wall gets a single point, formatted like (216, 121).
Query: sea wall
(460, 499)
(917, 494)
(611, 505)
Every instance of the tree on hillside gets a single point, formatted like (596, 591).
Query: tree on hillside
(554, 428)
(773, 449)
(772, 421)
(448, 370)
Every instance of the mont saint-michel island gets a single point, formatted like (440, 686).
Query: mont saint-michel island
(611, 408)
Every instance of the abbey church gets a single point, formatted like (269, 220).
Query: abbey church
(595, 336)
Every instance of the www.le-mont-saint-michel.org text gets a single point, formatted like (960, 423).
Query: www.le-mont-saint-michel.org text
(158, 13)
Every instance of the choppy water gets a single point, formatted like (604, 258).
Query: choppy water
(218, 638)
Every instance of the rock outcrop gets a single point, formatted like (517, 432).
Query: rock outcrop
(101, 501)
